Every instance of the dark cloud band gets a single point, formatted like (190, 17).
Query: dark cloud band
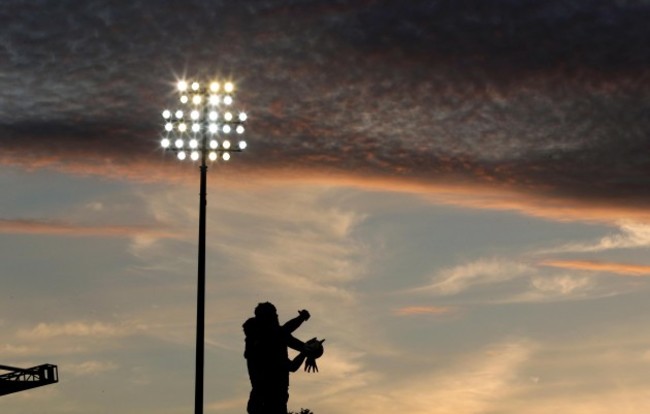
(548, 97)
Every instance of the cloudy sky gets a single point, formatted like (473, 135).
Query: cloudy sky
(458, 191)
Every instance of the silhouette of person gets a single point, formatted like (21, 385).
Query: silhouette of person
(267, 358)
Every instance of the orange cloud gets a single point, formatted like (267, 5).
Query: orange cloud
(595, 266)
(68, 229)
(475, 195)
(423, 310)
(443, 188)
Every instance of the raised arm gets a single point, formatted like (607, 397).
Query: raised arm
(293, 324)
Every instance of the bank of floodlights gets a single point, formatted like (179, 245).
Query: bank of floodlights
(205, 126)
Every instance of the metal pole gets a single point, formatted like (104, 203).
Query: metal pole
(200, 302)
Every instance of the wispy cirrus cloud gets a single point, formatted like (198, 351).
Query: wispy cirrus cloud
(94, 330)
(342, 372)
(623, 269)
(488, 271)
(472, 383)
(558, 285)
(527, 281)
(294, 246)
(11, 350)
(423, 310)
(545, 278)
(631, 235)
(91, 368)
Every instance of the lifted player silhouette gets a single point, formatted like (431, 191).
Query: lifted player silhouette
(268, 360)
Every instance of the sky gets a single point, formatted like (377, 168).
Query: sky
(457, 190)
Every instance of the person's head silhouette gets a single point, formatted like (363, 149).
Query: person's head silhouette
(267, 314)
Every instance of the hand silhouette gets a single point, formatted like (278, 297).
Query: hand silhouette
(310, 365)
(304, 314)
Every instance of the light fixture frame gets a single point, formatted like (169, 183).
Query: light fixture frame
(195, 120)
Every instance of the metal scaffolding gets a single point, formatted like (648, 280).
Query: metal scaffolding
(21, 379)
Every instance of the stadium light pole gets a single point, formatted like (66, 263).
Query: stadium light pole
(202, 128)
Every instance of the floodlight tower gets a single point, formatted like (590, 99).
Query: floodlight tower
(202, 127)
